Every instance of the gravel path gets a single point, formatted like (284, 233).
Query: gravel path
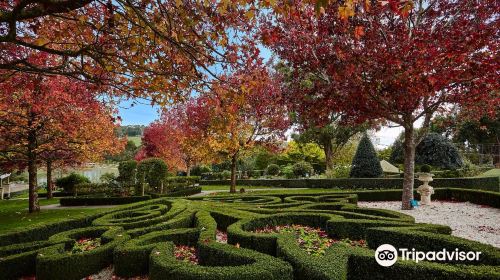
(467, 220)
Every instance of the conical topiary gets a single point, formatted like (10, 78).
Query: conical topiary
(365, 163)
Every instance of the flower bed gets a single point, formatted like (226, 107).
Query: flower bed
(85, 245)
(186, 254)
(314, 241)
(221, 236)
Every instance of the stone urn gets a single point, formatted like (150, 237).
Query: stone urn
(425, 190)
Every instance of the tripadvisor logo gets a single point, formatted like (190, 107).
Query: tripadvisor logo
(387, 255)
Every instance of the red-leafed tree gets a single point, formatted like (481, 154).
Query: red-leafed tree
(43, 120)
(177, 137)
(400, 68)
(245, 108)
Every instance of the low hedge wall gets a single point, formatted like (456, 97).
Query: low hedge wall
(484, 183)
(97, 200)
(139, 239)
(178, 193)
(55, 263)
(474, 196)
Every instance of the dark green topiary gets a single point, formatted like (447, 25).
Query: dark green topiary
(127, 170)
(425, 168)
(434, 150)
(365, 163)
(273, 169)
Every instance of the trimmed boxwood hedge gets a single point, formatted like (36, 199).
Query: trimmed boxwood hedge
(96, 200)
(187, 191)
(480, 183)
(56, 262)
(139, 239)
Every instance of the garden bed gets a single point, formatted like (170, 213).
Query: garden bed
(283, 236)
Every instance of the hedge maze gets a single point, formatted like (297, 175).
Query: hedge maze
(144, 238)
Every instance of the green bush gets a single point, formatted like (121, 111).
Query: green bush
(434, 150)
(199, 170)
(127, 172)
(425, 168)
(273, 169)
(226, 174)
(107, 177)
(287, 171)
(152, 171)
(365, 163)
(91, 188)
(302, 169)
(69, 182)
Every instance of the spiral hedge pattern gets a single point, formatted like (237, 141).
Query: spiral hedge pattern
(139, 239)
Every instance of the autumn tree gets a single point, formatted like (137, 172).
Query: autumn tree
(178, 137)
(402, 68)
(244, 109)
(43, 120)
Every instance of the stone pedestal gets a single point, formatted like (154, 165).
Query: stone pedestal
(425, 190)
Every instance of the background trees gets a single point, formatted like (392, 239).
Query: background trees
(401, 68)
(43, 120)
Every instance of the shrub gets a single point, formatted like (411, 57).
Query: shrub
(425, 168)
(273, 169)
(365, 163)
(287, 171)
(226, 174)
(69, 182)
(434, 150)
(200, 169)
(107, 177)
(302, 169)
(127, 172)
(153, 171)
(90, 188)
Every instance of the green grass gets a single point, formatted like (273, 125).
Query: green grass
(135, 139)
(490, 173)
(226, 187)
(14, 214)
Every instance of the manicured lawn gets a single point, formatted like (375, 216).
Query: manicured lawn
(490, 173)
(14, 214)
(226, 187)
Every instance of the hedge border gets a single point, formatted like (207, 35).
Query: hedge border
(481, 183)
(95, 200)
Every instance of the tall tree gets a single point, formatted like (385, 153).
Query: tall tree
(244, 109)
(400, 68)
(42, 119)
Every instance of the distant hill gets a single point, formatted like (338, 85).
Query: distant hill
(131, 130)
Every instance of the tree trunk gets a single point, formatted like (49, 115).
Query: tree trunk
(328, 155)
(409, 166)
(188, 169)
(49, 179)
(233, 173)
(32, 185)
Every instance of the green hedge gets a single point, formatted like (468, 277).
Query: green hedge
(474, 196)
(484, 183)
(56, 262)
(218, 262)
(187, 191)
(139, 239)
(95, 200)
